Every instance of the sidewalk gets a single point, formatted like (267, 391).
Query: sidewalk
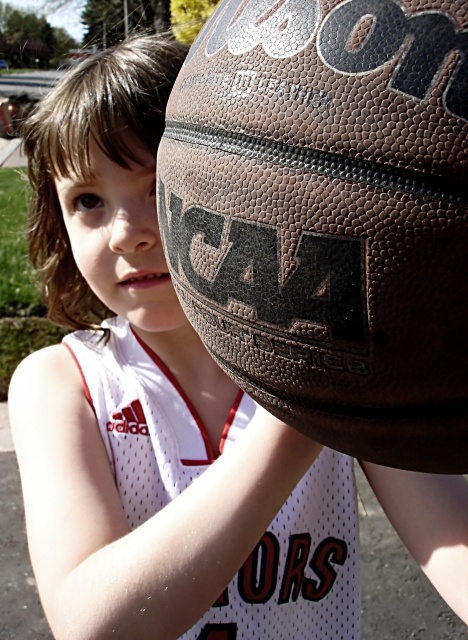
(10, 153)
(21, 616)
(6, 441)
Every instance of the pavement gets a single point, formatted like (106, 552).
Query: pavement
(6, 441)
(29, 84)
(12, 157)
(398, 602)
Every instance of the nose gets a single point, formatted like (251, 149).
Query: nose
(131, 232)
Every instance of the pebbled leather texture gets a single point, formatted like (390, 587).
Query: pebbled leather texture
(313, 192)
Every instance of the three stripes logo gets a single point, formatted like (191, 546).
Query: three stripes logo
(130, 419)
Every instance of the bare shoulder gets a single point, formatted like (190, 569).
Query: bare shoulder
(45, 387)
(45, 362)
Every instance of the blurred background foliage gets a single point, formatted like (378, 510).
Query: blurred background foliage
(189, 16)
(28, 41)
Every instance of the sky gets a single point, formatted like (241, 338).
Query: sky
(68, 17)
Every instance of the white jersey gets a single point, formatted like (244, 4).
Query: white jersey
(302, 580)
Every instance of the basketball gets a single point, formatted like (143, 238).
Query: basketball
(312, 201)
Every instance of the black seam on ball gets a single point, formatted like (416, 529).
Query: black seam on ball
(333, 165)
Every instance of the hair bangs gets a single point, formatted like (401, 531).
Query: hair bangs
(87, 121)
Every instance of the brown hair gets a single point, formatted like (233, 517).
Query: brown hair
(124, 87)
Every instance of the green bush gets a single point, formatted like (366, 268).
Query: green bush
(189, 16)
(18, 338)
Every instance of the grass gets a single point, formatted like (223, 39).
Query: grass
(18, 296)
(23, 328)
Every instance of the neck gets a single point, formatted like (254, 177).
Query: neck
(180, 349)
(209, 389)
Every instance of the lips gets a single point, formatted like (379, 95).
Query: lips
(142, 278)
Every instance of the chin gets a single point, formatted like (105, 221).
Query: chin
(155, 322)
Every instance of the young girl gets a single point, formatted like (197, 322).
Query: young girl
(160, 501)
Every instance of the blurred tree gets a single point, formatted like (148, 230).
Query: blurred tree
(5, 10)
(63, 43)
(162, 16)
(108, 21)
(189, 16)
(28, 39)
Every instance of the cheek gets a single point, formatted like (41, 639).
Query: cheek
(87, 263)
(88, 248)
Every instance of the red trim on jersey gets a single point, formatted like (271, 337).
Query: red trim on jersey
(210, 454)
(230, 420)
(83, 379)
(196, 463)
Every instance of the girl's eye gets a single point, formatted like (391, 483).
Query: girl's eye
(87, 201)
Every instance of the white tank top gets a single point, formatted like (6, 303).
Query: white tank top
(302, 580)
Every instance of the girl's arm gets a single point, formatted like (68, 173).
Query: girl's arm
(430, 514)
(97, 579)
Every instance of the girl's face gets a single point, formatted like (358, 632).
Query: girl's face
(113, 231)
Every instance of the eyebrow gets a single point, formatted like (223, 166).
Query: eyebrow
(138, 166)
(79, 182)
(68, 183)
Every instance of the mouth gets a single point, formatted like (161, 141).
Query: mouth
(149, 277)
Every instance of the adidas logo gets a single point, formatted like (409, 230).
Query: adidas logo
(130, 419)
